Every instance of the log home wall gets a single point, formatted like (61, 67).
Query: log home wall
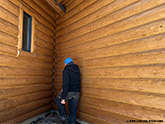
(119, 46)
(26, 80)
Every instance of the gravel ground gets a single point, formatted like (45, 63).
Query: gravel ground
(50, 118)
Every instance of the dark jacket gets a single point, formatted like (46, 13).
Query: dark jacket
(70, 79)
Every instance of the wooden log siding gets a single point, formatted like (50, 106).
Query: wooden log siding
(26, 80)
(28, 115)
(119, 47)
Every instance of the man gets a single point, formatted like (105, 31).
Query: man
(70, 91)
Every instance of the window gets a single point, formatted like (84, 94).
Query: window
(27, 30)
(26, 37)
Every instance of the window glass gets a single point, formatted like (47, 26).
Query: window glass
(27, 24)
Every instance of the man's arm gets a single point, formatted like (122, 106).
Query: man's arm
(65, 84)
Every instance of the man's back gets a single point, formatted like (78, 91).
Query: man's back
(71, 79)
(70, 91)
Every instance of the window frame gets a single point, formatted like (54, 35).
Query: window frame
(29, 32)
(32, 46)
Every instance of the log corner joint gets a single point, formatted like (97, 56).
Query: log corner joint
(59, 4)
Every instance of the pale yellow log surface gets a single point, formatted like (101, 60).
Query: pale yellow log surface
(26, 78)
(9, 6)
(16, 101)
(24, 81)
(33, 35)
(44, 44)
(20, 36)
(73, 4)
(28, 115)
(8, 28)
(39, 10)
(18, 111)
(9, 92)
(5, 60)
(107, 14)
(119, 47)
(7, 38)
(44, 7)
(7, 16)
(83, 5)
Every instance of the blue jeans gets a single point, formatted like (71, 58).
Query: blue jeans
(72, 98)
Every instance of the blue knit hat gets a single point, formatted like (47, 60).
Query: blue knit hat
(68, 60)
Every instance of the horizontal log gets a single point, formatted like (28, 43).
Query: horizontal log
(86, 11)
(104, 114)
(19, 62)
(65, 3)
(9, 7)
(55, 7)
(96, 15)
(131, 97)
(18, 101)
(15, 2)
(44, 6)
(36, 56)
(91, 27)
(27, 115)
(144, 85)
(39, 10)
(13, 71)
(44, 51)
(43, 43)
(110, 15)
(142, 112)
(27, 55)
(8, 27)
(44, 58)
(7, 49)
(7, 93)
(15, 112)
(44, 36)
(141, 58)
(37, 16)
(136, 46)
(121, 37)
(44, 29)
(145, 71)
(56, 92)
(73, 4)
(76, 10)
(6, 15)
(57, 86)
(24, 7)
(8, 39)
(16, 81)
(45, 22)
(33, 13)
(58, 79)
(132, 46)
(140, 19)
(91, 119)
